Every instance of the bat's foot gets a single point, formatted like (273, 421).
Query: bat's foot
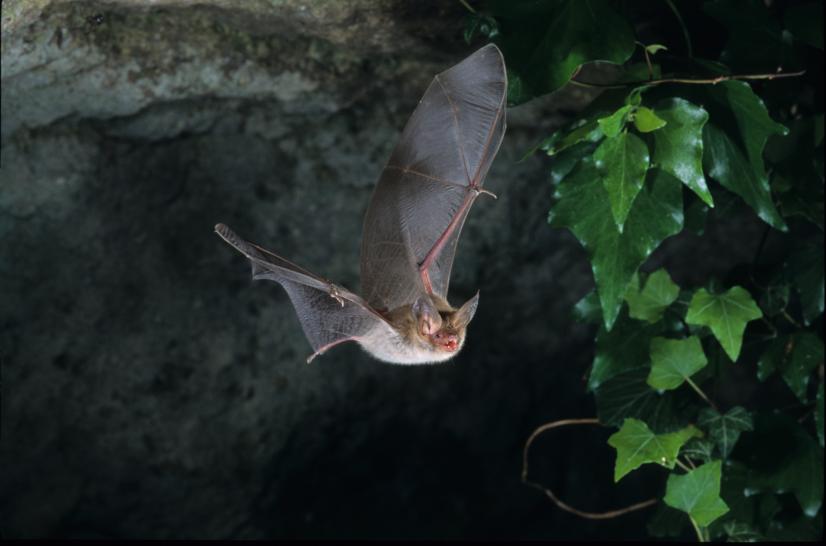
(334, 293)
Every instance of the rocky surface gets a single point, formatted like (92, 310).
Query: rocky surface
(150, 390)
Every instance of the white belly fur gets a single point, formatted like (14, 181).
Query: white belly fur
(396, 349)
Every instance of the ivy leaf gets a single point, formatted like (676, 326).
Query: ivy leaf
(726, 314)
(545, 42)
(746, 121)
(697, 493)
(613, 124)
(741, 532)
(781, 456)
(624, 347)
(725, 429)
(678, 147)
(654, 48)
(726, 164)
(561, 140)
(583, 207)
(806, 265)
(622, 162)
(636, 445)
(646, 121)
(481, 24)
(795, 356)
(674, 361)
(587, 309)
(699, 449)
(819, 414)
(649, 303)
(627, 394)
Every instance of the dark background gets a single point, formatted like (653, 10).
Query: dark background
(150, 390)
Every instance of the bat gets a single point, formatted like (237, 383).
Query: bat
(411, 228)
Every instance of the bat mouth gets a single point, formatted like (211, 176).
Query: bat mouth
(446, 341)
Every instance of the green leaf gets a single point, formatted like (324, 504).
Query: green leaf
(674, 361)
(725, 429)
(649, 303)
(561, 140)
(646, 121)
(624, 347)
(806, 264)
(626, 394)
(622, 162)
(478, 23)
(697, 493)
(726, 164)
(613, 124)
(819, 414)
(587, 309)
(805, 21)
(726, 314)
(654, 48)
(746, 505)
(795, 356)
(698, 449)
(678, 147)
(636, 445)
(566, 161)
(582, 206)
(748, 126)
(781, 456)
(545, 42)
(741, 532)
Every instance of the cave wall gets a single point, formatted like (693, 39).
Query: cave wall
(151, 390)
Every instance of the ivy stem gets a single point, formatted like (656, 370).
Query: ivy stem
(682, 26)
(468, 6)
(699, 391)
(696, 81)
(550, 494)
(700, 536)
(647, 60)
(682, 465)
(790, 319)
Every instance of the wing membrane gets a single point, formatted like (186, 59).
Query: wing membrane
(329, 314)
(436, 171)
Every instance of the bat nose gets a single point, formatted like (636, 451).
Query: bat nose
(447, 340)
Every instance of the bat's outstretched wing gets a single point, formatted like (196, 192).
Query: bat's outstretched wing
(329, 314)
(434, 174)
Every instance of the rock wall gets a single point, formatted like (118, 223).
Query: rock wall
(150, 390)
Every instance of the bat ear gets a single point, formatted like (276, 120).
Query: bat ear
(427, 316)
(464, 315)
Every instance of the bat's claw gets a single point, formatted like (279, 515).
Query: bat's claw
(336, 295)
(485, 192)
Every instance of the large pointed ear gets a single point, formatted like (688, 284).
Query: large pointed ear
(427, 316)
(464, 315)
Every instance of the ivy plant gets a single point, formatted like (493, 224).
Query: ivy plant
(712, 113)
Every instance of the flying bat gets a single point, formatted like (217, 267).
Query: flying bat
(411, 228)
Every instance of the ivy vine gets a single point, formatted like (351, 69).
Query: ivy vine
(695, 123)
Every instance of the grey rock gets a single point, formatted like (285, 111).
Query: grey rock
(150, 390)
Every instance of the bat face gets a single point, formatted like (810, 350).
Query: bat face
(411, 228)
